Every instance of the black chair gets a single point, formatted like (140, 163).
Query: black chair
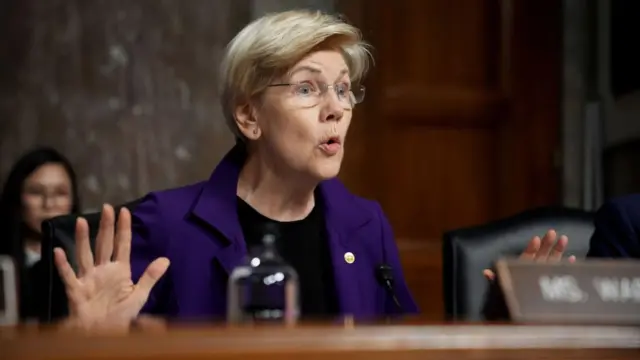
(467, 252)
(60, 232)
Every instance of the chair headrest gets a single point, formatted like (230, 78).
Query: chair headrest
(60, 232)
(509, 234)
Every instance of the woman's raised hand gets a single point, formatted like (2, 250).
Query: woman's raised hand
(102, 294)
(548, 249)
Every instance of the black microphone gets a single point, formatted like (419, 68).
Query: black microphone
(384, 275)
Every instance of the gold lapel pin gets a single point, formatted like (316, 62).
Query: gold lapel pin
(349, 257)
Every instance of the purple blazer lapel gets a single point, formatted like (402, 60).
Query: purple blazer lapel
(217, 207)
(342, 220)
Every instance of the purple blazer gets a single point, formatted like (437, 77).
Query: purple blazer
(617, 229)
(197, 228)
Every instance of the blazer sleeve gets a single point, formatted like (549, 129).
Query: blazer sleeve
(149, 242)
(615, 234)
(392, 258)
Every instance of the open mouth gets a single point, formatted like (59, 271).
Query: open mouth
(332, 141)
(331, 146)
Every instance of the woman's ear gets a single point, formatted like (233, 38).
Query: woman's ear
(247, 122)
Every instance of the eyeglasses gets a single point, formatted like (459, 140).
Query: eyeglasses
(309, 93)
(44, 196)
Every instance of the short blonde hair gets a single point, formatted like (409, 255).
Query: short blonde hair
(269, 46)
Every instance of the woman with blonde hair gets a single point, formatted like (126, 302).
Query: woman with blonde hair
(290, 83)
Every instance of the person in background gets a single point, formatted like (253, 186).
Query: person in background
(290, 83)
(617, 229)
(40, 186)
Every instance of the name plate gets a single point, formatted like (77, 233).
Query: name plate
(589, 291)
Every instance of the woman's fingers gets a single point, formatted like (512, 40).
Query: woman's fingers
(67, 274)
(541, 250)
(104, 240)
(546, 244)
(149, 278)
(122, 245)
(489, 274)
(532, 249)
(558, 249)
(549, 248)
(84, 256)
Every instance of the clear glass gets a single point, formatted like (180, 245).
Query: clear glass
(263, 289)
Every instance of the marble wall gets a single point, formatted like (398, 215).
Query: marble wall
(126, 89)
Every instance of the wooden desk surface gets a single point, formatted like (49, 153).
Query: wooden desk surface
(397, 342)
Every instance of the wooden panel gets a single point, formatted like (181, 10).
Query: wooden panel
(446, 61)
(462, 120)
(530, 137)
(439, 43)
(422, 264)
(443, 106)
(322, 342)
(443, 180)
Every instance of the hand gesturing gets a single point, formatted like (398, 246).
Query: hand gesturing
(102, 295)
(548, 249)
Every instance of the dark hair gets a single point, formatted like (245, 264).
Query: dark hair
(12, 229)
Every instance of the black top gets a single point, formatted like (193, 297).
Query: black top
(303, 244)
